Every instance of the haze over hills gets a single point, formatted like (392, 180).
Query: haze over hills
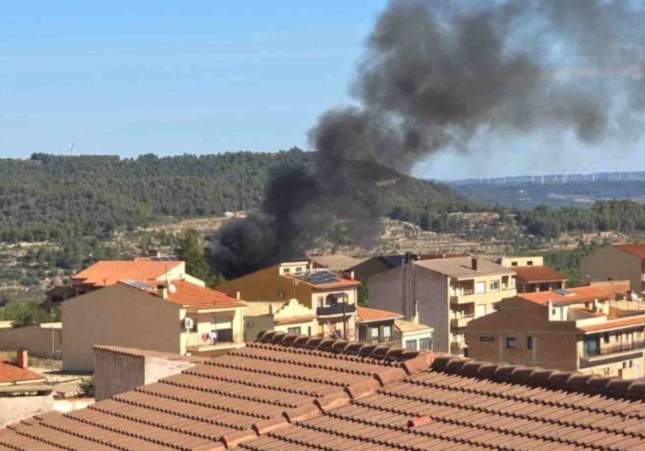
(554, 190)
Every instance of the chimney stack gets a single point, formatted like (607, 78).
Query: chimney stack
(22, 359)
(163, 291)
(474, 263)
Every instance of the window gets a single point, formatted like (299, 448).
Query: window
(486, 339)
(605, 338)
(425, 344)
(321, 301)
(591, 346)
(514, 264)
(529, 263)
(294, 330)
(480, 287)
(631, 364)
(411, 345)
(494, 285)
(286, 270)
(624, 365)
(511, 342)
(387, 331)
(309, 331)
(529, 342)
(373, 332)
(299, 269)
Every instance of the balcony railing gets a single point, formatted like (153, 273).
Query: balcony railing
(461, 320)
(614, 349)
(336, 309)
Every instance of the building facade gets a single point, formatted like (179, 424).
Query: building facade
(184, 319)
(382, 327)
(531, 275)
(443, 293)
(616, 262)
(585, 329)
(330, 296)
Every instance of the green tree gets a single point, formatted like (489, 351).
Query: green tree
(191, 250)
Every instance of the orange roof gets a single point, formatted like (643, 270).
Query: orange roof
(109, 272)
(619, 324)
(635, 249)
(189, 294)
(10, 373)
(603, 290)
(368, 315)
(529, 274)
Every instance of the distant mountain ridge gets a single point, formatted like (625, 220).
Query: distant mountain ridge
(51, 197)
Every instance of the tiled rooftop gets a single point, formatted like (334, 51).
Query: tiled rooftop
(191, 295)
(636, 249)
(286, 393)
(475, 406)
(226, 398)
(11, 374)
(367, 315)
(598, 290)
(109, 272)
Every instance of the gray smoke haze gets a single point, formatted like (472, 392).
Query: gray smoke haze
(435, 75)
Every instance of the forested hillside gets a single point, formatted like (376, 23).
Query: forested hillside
(52, 197)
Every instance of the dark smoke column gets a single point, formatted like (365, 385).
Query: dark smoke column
(437, 75)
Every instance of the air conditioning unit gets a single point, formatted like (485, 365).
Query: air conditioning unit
(189, 323)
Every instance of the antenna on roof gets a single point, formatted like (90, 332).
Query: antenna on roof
(71, 148)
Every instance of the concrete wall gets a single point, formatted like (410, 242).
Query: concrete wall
(118, 371)
(17, 408)
(396, 289)
(118, 316)
(611, 263)
(39, 341)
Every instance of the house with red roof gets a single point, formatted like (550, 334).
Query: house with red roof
(381, 327)
(616, 262)
(532, 275)
(330, 296)
(176, 316)
(596, 329)
(104, 273)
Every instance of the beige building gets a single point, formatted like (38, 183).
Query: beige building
(531, 274)
(180, 318)
(616, 262)
(586, 329)
(330, 296)
(444, 293)
(291, 317)
(382, 327)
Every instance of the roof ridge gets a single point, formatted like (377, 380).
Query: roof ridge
(569, 381)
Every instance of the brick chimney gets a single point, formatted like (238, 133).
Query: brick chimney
(474, 263)
(22, 359)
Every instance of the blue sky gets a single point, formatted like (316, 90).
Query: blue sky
(204, 77)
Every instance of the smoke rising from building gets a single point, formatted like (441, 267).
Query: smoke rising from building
(436, 75)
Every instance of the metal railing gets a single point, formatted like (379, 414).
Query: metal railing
(336, 309)
(614, 349)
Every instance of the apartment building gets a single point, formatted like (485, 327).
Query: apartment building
(616, 262)
(330, 296)
(382, 327)
(532, 275)
(179, 317)
(590, 329)
(443, 293)
(151, 270)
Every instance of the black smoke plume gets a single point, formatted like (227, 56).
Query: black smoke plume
(437, 75)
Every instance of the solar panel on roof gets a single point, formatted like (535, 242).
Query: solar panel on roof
(564, 292)
(138, 284)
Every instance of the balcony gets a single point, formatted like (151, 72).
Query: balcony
(336, 310)
(461, 321)
(612, 354)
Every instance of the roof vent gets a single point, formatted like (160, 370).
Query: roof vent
(419, 421)
(564, 292)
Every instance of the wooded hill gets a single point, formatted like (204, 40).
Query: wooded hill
(51, 197)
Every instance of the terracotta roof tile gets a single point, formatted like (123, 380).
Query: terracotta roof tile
(533, 274)
(635, 249)
(616, 324)
(288, 393)
(109, 272)
(191, 295)
(604, 290)
(10, 373)
(367, 315)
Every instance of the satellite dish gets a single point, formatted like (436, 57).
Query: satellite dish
(172, 288)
